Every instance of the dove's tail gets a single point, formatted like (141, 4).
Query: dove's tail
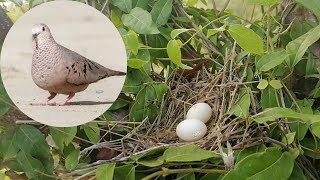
(115, 73)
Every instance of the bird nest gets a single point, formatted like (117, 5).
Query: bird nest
(220, 90)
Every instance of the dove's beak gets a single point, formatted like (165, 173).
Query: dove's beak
(34, 36)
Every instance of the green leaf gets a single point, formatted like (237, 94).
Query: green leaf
(271, 114)
(105, 171)
(63, 136)
(157, 152)
(174, 52)
(264, 2)
(143, 107)
(241, 108)
(191, 3)
(34, 3)
(140, 3)
(140, 21)
(262, 84)
(301, 128)
(249, 151)
(132, 42)
(311, 148)
(214, 31)
(247, 39)
(161, 12)
(187, 153)
(312, 5)
(5, 101)
(8, 148)
(297, 48)
(92, 131)
(315, 129)
(271, 60)
(297, 173)
(177, 32)
(268, 98)
(30, 165)
(126, 172)
(276, 84)
(271, 164)
(72, 159)
(29, 144)
(121, 102)
(136, 63)
(289, 138)
(151, 162)
(123, 5)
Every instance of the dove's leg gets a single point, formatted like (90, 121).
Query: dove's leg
(67, 100)
(52, 95)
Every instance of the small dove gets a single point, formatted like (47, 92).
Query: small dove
(60, 70)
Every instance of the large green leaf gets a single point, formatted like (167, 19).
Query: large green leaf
(313, 5)
(28, 146)
(272, 114)
(187, 153)
(247, 39)
(105, 171)
(161, 11)
(271, 164)
(271, 60)
(124, 5)
(30, 165)
(140, 21)
(297, 48)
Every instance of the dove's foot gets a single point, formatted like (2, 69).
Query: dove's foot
(67, 100)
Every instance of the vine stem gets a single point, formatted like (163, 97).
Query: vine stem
(166, 172)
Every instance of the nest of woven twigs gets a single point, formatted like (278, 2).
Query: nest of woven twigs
(221, 91)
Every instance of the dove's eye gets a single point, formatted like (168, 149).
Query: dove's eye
(43, 29)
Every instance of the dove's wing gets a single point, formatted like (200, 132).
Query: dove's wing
(81, 70)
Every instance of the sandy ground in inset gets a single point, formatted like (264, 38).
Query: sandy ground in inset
(81, 29)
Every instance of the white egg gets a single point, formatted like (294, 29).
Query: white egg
(201, 111)
(191, 129)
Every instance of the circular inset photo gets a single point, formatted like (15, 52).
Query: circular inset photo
(63, 63)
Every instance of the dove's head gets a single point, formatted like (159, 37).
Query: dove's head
(40, 33)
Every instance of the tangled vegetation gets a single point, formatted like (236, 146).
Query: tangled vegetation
(259, 72)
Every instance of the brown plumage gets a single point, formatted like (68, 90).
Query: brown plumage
(60, 70)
